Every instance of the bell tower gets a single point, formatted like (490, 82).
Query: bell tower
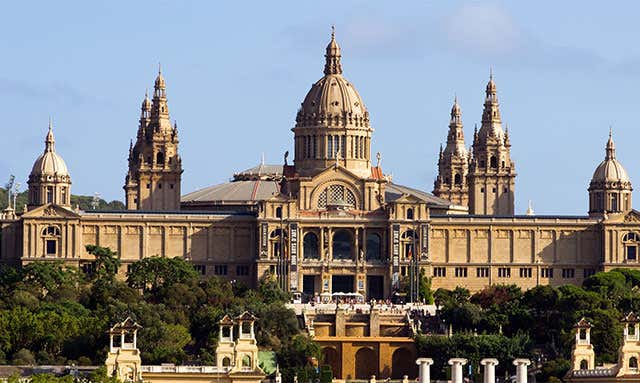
(155, 167)
(492, 173)
(453, 163)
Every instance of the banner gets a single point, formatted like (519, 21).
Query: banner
(293, 253)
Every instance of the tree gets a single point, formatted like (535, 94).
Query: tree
(150, 274)
(107, 262)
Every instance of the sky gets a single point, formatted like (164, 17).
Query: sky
(237, 72)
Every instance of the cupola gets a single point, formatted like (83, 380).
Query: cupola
(610, 187)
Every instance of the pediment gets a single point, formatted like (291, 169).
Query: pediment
(408, 198)
(632, 217)
(51, 211)
(337, 172)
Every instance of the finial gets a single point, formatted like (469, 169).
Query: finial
(378, 159)
(610, 148)
(455, 98)
(610, 131)
(333, 32)
(159, 68)
(262, 159)
(490, 72)
(530, 209)
(50, 124)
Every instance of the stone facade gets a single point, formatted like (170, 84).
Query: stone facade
(332, 220)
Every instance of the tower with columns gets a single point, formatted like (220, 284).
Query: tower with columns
(49, 180)
(123, 360)
(492, 173)
(453, 163)
(155, 167)
(583, 356)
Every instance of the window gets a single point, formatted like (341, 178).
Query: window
(457, 179)
(342, 243)
(630, 242)
(568, 273)
(482, 272)
(220, 269)
(202, 269)
(482, 163)
(310, 246)
(584, 365)
(246, 361)
(439, 271)
(242, 270)
(226, 361)
(159, 185)
(633, 362)
(504, 272)
(547, 272)
(373, 246)
(481, 190)
(336, 195)
(51, 246)
(408, 239)
(493, 190)
(279, 212)
(148, 186)
(588, 272)
(614, 202)
(49, 194)
(63, 195)
(461, 272)
(409, 213)
(493, 162)
(170, 186)
(160, 158)
(525, 272)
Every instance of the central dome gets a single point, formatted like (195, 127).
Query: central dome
(332, 100)
(49, 163)
(610, 172)
(332, 125)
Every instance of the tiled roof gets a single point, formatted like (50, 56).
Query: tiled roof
(236, 191)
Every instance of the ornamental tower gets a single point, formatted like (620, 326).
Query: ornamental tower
(453, 164)
(49, 181)
(610, 187)
(332, 125)
(155, 167)
(492, 173)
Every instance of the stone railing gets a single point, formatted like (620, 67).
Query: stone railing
(185, 369)
(595, 372)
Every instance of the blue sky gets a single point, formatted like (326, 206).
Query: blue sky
(237, 71)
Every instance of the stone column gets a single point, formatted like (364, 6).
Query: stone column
(489, 369)
(521, 369)
(456, 369)
(424, 371)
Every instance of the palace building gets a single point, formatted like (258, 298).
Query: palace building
(330, 219)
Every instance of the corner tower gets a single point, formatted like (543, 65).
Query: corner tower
(453, 163)
(49, 181)
(492, 173)
(155, 167)
(332, 125)
(610, 187)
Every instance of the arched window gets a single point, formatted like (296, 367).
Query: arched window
(276, 242)
(630, 243)
(342, 245)
(493, 162)
(584, 365)
(160, 158)
(226, 362)
(614, 201)
(408, 239)
(246, 361)
(633, 362)
(336, 195)
(409, 213)
(373, 246)
(583, 334)
(310, 246)
(457, 179)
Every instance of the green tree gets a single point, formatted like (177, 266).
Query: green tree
(150, 274)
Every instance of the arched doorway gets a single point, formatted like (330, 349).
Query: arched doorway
(402, 364)
(310, 246)
(331, 358)
(342, 245)
(366, 363)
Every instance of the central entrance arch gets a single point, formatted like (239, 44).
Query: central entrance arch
(331, 358)
(402, 364)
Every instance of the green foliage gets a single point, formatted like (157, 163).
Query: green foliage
(51, 314)
(553, 369)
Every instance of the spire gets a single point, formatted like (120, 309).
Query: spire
(50, 141)
(491, 122)
(160, 85)
(455, 137)
(332, 64)
(611, 148)
(530, 209)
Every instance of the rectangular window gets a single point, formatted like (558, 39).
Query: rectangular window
(148, 186)
(482, 272)
(51, 246)
(546, 272)
(568, 273)
(330, 147)
(242, 270)
(525, 272)
(504, 272)
(632, 253)
(461, 272)
(49, 194)
(159, 185)
(588, 272)
(220, 269)
(439, 271)
(202, 269)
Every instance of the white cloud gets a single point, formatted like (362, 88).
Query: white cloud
(483, 29)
